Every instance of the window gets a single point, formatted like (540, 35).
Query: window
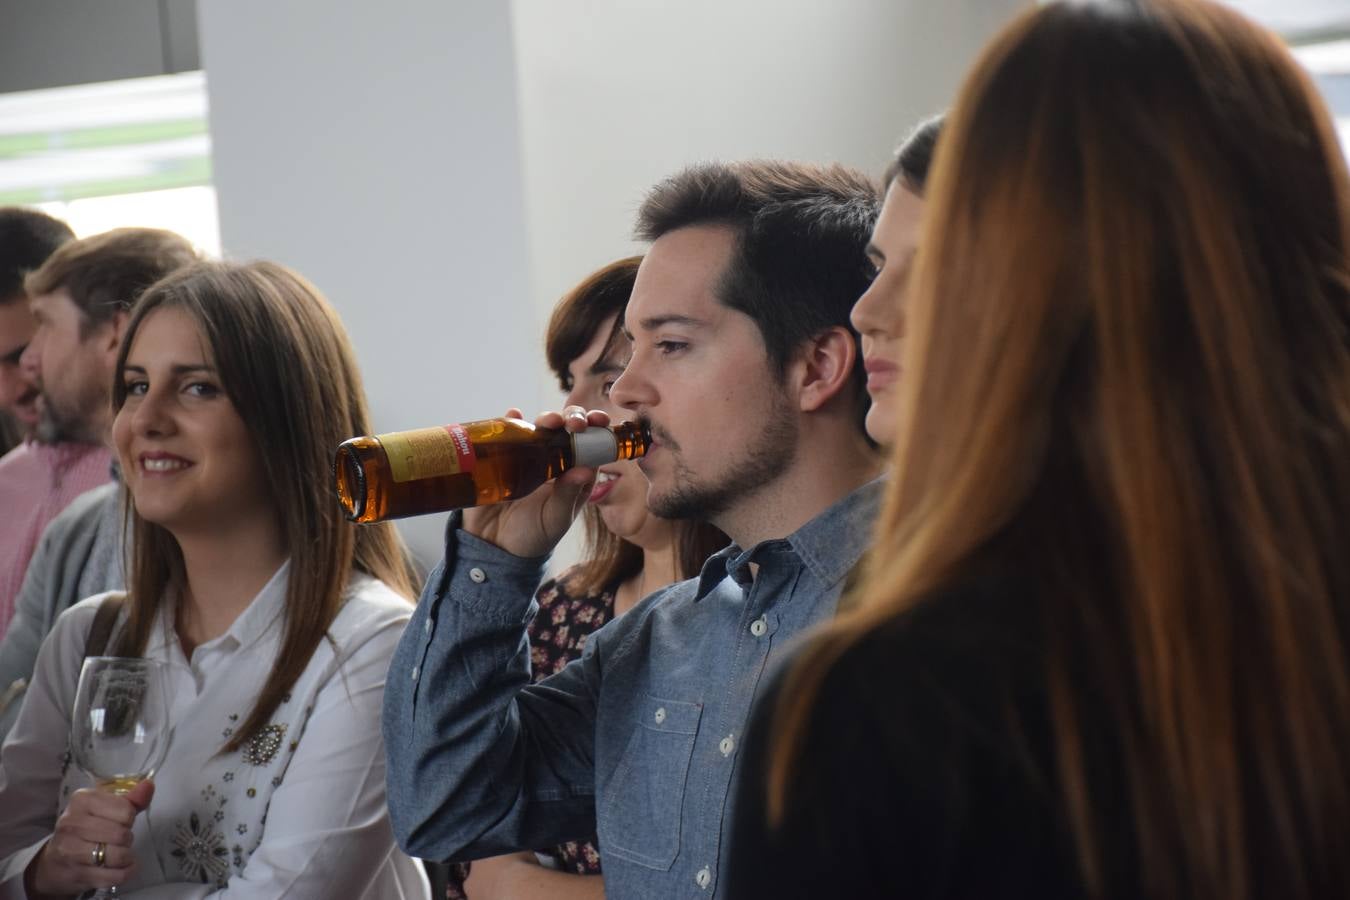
(100, 156)
(1329, 63)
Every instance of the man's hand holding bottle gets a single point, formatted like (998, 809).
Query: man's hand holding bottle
(533, 525)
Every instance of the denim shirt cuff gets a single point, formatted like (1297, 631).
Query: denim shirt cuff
(488, 580)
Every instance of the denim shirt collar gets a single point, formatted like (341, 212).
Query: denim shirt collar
(829, 545)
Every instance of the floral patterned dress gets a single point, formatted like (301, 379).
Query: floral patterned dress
(557, 636)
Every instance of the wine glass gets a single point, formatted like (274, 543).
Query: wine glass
(120, 726)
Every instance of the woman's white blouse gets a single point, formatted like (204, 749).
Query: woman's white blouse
(299, 811)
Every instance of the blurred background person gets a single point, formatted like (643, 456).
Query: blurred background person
(1102, 650)
(275, 617)
(878, 316)
(27, 238)
(630, 552)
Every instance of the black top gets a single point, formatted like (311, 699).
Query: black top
(928, 769)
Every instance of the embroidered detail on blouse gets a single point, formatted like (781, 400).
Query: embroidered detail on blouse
(264, 745)
(66, 788)
(200, 851)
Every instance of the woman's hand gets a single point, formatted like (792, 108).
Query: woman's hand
(490, 879)
(66, 864)
(533, 525)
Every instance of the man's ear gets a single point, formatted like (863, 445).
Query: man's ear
(113, 330)
(824, 367)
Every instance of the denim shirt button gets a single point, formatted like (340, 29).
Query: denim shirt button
(703, 878)
(477, 575)
(427, 626)
(660, 715)
(759, 626)
(416, 670)
(728, 744)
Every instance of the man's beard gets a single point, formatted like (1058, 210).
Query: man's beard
(56, 425)
(758, 465)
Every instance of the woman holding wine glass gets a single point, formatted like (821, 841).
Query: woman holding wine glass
(272, 618)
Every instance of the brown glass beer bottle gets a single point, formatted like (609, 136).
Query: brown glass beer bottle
(409, 473)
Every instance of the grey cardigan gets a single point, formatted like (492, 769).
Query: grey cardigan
(79, 555)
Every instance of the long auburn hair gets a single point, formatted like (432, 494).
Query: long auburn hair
(1128, 383)
(608, 559)
(288, 367)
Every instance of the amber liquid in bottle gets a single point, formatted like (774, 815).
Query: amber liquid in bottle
(411, 473)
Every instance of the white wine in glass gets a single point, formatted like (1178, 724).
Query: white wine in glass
(119, 729)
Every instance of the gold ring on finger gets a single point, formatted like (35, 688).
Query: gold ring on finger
(99, 854)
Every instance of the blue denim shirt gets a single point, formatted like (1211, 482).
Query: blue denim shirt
(637, 741)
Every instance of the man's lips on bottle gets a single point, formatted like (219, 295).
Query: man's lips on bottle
(653, 445)
(881, 373)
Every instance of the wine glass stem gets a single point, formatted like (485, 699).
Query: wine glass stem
(110, 892)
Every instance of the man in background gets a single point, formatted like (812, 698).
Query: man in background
(27, 238)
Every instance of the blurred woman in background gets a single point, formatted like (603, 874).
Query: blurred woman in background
(1102, 646)
(879, 314)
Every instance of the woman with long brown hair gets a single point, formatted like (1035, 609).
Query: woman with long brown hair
(273, 618)
(1102, 649)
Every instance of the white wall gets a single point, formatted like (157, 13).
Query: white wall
(374, 147)
(616, 94)
(445, 170)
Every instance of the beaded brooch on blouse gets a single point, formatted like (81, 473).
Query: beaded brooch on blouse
(264, 745)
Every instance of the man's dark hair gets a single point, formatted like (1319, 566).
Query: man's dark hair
(106, 273)
(914, 156)
(799, 263)
(27, 238)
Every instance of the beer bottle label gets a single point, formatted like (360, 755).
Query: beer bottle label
(595, 446)
(428, 452)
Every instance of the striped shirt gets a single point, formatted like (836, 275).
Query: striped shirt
(37, 481)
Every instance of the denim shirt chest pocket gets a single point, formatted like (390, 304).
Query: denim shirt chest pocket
(642, 802)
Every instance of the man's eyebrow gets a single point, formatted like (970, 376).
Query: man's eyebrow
(12, 357)
(653, 322)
